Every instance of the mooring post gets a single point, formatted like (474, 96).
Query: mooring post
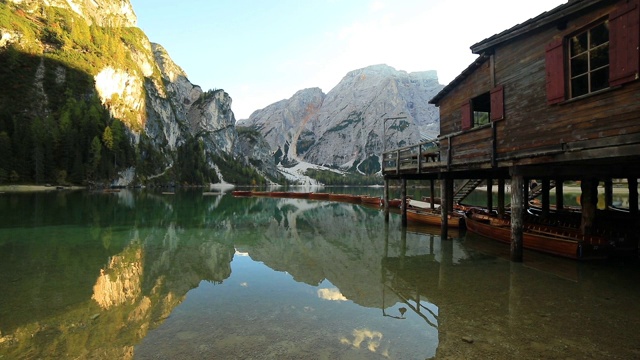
(633, 195)
(518, 194)
(608, 193)
(432, 190)
(404, 202)
(489, 194)
(501, 197)
(444, 206)
(559, 194)
(546, 188)
(385, 200)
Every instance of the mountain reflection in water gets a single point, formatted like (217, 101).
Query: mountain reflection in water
(142, 275)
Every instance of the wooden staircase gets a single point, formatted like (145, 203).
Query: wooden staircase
(466, 189)
(537, 190)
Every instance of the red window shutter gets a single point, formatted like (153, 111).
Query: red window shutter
(497, 103)
(554, 62)
(624, 43)
(466, 116)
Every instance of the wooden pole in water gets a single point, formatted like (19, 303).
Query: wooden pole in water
(608, 193)
(517, 214)
(432, 190)
(559, 194)
(444, 199)
(633, 195)
(404, 202)
(489, 194)
(546, 187)
(501, 197)
(385, 200)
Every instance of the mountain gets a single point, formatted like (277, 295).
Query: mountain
(345, 128)
(87, 98)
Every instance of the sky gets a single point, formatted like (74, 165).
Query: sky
(264, 51)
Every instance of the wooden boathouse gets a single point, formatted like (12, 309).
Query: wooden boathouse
(553, 99)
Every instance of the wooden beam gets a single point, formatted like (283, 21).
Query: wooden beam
(633, 196)
(404, 202)
(546, 187)
(386, 200)
(489, 194)
(501, 197)
(559, 194)
(517, 216)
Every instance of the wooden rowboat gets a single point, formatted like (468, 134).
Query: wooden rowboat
(371, 200)
(319, 196)
(345, 198)
(430, 217)
(563, 242)
(241, 193)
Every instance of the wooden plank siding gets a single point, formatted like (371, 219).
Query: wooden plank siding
(530, 124)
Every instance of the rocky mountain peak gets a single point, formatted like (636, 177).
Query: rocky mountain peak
(99, 12)
(344, 128)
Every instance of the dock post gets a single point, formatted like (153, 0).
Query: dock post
(489, 194)
(432, 190)
(445, 192)
(559, 194)
(633, 195)
(385, 200)
(501, 197)
(517, 216)
(608, 193)
(546, 188)
(404, 202)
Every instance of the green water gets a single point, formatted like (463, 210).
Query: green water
(142, 275)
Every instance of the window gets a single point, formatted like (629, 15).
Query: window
(589, 60)
(481, 107)
(477, 112)
(603, 56)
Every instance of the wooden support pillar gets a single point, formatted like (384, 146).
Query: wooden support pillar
(518, 193)
(501, 197)
(489, 194)
(633, 196)
(385, 200)
(527, 183)
(432, 197)
(404, 202)
(608, 193)
(546, 188)
(444, 200)
(559, 194)
(589, 203)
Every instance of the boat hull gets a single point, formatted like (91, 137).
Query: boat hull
(540, 239)
(433, 218)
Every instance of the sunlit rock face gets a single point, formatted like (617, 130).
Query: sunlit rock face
(120, 282)
(345, 127)
(99, 12)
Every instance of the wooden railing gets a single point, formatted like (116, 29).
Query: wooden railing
(411, 159)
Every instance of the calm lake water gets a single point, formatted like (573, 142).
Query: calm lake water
(142, 275)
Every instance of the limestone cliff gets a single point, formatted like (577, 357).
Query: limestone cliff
(344, 128)
(72, 51)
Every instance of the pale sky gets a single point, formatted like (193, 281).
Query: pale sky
(263, 51)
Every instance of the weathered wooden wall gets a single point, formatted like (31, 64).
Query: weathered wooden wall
(530, 124)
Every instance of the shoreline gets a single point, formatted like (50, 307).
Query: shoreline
(35, 188)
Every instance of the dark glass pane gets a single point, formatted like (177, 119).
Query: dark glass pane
(600, 57)
(600, 34)
(600, 79)
(579, 65)
(579, 44)
(579, 86)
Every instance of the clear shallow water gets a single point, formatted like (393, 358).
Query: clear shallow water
(186, 276)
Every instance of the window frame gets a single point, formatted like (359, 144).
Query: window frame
(589, 51)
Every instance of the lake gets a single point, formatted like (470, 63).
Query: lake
(146, 275)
